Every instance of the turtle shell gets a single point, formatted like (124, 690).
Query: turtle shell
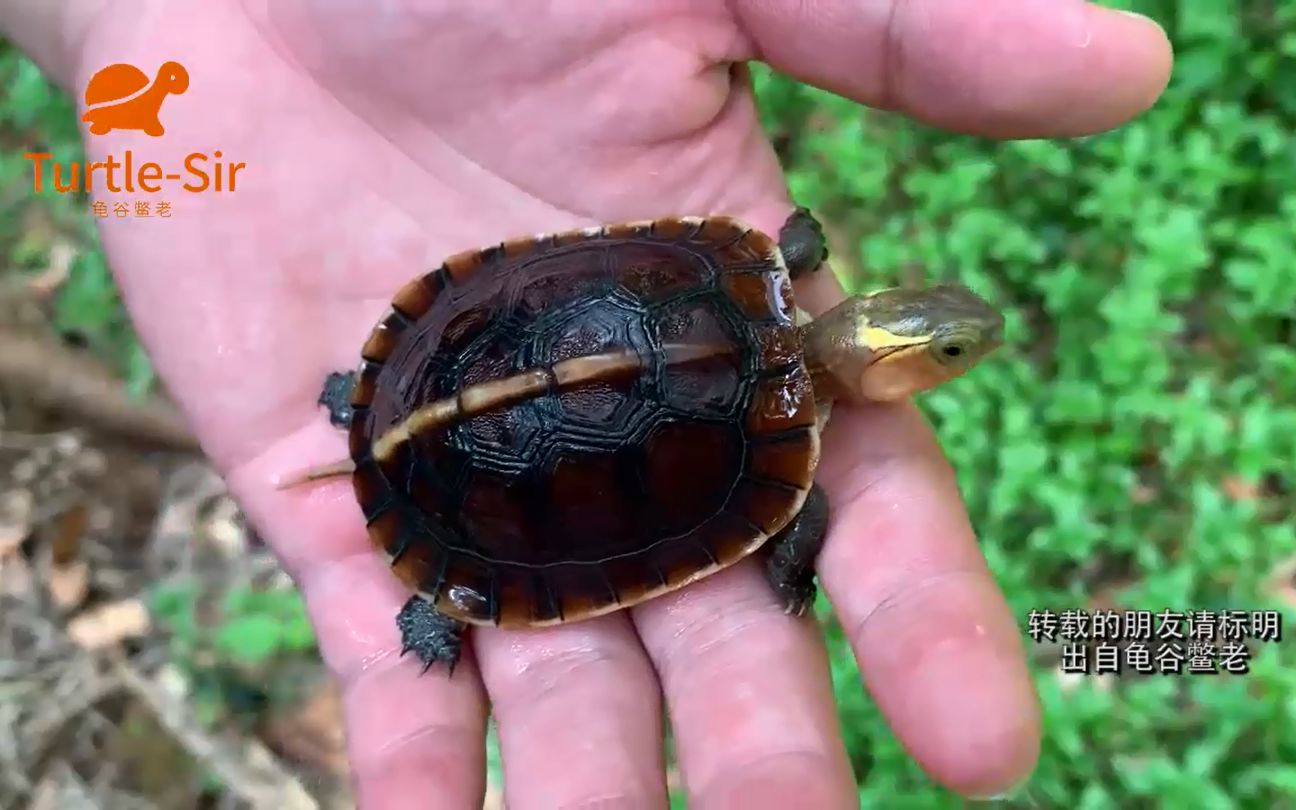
(115, 82)
(566, 504)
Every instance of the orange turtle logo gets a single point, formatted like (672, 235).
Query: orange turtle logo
(121, 96)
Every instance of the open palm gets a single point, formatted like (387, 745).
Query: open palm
(379, 137)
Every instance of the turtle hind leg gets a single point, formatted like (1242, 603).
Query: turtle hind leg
(430, 634)
(791, 554)
(336, 396)
(802, 243)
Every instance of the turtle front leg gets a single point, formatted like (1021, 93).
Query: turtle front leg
(790, 561)
(430, 634)
(336, 396)
(802, 242)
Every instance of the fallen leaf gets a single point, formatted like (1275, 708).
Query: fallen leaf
(311, 731)
(47, 282)
(109, 624)
(1281, 582)
(1239, 489)
(12, 536)
(68, 585)
(1141, 493)
(16, 508)
(15, 576)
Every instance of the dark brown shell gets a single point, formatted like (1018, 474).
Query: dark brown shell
(569, 505)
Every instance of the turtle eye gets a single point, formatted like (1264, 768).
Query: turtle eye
(951, 351)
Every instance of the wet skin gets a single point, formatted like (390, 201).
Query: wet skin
(374, 153)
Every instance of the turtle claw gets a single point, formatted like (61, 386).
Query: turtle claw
(797, 600)
(791, 554)
(802, 243)
(335, 395)
(431, 635)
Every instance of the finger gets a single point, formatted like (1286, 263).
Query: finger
(998, 68)
(935, 641)
(749, 695)
(412, 739)
(577, 714)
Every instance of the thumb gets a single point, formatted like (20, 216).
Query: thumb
(996, 68)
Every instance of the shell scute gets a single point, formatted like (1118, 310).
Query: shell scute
(563, 503)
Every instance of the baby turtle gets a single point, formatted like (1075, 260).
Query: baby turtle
(121, 97)
(564, 425)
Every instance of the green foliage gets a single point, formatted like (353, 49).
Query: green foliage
(1135, 437)
(227, 647)
(1149, 382)
(249, 626)
(35, 116)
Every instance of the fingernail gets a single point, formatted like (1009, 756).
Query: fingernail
(1137, 16)
(1004, 795)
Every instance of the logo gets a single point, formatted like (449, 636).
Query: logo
(120, 96)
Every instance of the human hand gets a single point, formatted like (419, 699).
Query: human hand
(379, 138)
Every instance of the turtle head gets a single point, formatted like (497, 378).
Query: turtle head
(892, 343)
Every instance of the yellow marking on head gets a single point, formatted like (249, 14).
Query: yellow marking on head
(881, 340)
(900, 372)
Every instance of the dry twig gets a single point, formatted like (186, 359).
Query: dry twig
(57, 378)
(249, 770)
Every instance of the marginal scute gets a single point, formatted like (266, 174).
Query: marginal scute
(581, 588)
(753, 250)
(674, 229)
(680, 561)
(419, 564)
(467, 587)
(415, 298)
(366, 385)
(766, 504)
(627, 230)
(371, 488)
(730, 536)
(514, 249)
(386, 528)
(783, 460)
(630, 412)
(569, 238)
(396, 464)
(382, 340)
(781, 403)
(722, 232)
(462, 266)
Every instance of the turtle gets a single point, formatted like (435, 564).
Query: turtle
(559, 426)
(121, 96)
